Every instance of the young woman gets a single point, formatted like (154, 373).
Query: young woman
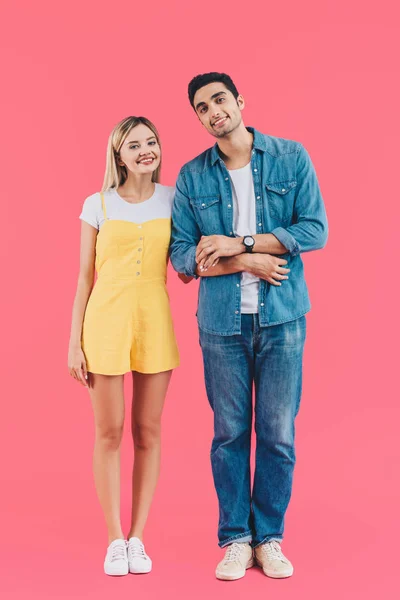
(123, 323)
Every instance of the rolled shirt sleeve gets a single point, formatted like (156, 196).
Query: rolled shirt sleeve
(309, 230)
(185, 231)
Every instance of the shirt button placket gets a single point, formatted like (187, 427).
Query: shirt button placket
(238, 295)
(258, 194)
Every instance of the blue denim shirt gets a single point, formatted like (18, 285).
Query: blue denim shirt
(288, 204)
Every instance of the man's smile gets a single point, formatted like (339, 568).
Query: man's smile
(220, 122)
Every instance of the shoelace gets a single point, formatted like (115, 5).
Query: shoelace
(233, 552)
(118, 551)
(136, 550)
(273, 551)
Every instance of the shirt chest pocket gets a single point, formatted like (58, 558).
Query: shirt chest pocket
(280, 196)
(208, 213)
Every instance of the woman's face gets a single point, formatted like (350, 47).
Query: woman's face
(140, 152)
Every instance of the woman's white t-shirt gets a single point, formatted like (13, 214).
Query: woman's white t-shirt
(158, 206)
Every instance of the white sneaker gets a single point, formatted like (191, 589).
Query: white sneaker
(116, 561)
(270, 558)
(238, 558)
(138, 560)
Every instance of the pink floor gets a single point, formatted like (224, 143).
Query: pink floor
(341, 531)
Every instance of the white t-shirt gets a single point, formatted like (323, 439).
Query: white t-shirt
(158, 206)
(244, 223)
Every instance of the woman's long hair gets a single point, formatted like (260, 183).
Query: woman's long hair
(116, 174)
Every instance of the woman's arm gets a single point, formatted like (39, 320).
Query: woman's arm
(264, 266)
(184, 278)
(76, 360)
(225, 266)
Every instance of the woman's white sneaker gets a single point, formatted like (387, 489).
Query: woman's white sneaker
(138, 560)
(116, 561)
(270, 558)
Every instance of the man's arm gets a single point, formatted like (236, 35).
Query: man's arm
(308, 232)
(267, 243)
(213, 247)
(185, 232)
(310, 228)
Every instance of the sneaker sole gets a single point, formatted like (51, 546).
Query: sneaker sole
(233, 577)
(139, 572)
(115, 574)
(274, 575)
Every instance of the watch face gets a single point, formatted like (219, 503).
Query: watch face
(248, 241)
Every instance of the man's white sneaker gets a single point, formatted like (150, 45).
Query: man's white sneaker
(238, 558)
(138, 560)
(116, 561)
(270, 558)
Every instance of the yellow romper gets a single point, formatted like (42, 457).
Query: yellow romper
(127, 324)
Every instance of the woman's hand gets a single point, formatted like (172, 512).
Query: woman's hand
(77, 365)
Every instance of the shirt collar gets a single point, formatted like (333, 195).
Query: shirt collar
(258, 144)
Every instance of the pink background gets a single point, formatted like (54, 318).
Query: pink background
(319, 72)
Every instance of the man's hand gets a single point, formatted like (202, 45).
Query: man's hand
(266, 267)
(212, 247)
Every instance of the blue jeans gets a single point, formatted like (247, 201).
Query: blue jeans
(271, 358)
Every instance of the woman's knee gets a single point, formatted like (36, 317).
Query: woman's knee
(146, 435)
(109, 436)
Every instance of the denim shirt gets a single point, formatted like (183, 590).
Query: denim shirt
(288, 204)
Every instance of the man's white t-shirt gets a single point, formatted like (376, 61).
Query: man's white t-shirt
(158, 206)
(244, 223)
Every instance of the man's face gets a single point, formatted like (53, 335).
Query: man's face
(217, 109)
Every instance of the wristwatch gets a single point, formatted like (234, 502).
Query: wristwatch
(248, 243)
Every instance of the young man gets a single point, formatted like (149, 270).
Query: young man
(244, 211)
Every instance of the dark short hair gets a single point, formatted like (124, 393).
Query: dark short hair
(201, 80)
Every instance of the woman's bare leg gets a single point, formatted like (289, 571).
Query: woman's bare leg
(149, 395)
(107, 395)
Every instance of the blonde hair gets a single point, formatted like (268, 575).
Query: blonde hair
(116, 174)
